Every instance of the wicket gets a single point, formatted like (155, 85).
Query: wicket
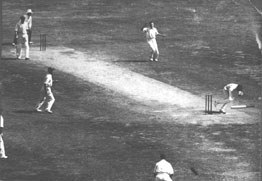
(42, 42)
(208, 104)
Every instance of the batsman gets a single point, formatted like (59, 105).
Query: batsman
(228, 92)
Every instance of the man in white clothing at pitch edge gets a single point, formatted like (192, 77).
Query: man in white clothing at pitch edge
(46, 93)
(22, 38)
(163, 170)
(151, 33)
(2, 147)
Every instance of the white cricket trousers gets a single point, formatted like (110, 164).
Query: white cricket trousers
(20, 42)
(153, 45)
(163, 177)
(46, 96)
(2, 147)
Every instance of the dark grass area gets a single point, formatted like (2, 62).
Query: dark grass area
(90, 137)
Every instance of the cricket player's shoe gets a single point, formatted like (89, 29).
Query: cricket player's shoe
(38, 110)
(156, 60)
(13, 44)
(222, 111)
(4, 157)
(151, 59)
(49, 111)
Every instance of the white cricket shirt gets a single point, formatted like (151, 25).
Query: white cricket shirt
(21, 29)
(48, 81)
(231, 87)
(150, 33)
(164, 166)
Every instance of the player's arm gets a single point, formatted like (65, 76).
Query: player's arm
(155, 173)
(30, 23)
(144, 28)
(160, 34)
(16, 30)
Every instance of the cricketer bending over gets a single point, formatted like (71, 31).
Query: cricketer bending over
(228, 91)
(151, 33)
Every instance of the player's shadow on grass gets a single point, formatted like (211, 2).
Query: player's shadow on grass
(25, 111)
(212, 112)
(8, 58)
(131, 61)
(7, 44)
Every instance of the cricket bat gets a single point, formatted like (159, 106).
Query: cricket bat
(241, 106)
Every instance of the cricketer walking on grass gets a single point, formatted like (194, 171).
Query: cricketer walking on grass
(46, 95)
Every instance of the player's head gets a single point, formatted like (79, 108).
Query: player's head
(29, 12)
(22, 19)
(162, 156)
(50, 70)
(240, 90)
(151, 24)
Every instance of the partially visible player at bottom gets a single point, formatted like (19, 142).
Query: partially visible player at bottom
(228, 92)
(46, 93)
(151, 33)
(2, 146)
(163, 170)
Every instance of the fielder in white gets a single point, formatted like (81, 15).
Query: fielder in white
(163, 170)
(228, 92)
(46, 93)
(2, 147)
(22, 38)
(29, 23)
(151, 33)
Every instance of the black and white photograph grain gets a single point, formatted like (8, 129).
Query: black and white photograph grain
(131, 90)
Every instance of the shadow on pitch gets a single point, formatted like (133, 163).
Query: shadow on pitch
(130, 61)
(212, 112)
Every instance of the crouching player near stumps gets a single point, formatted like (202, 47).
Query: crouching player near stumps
(46, 93)
(228, 91)
(151, 33)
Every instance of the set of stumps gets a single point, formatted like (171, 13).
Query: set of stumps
(42, 42)
(208, 104)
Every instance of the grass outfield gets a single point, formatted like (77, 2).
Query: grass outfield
(98, 134)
